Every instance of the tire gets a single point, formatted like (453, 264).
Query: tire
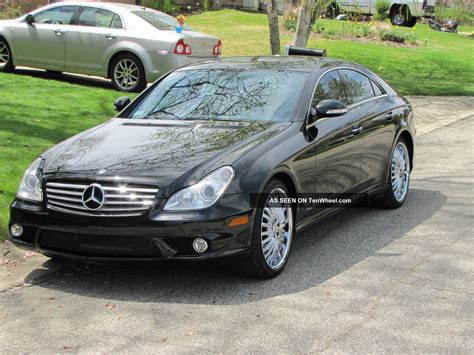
(6, 57)
(411, 22)
(400, 16)
(399, 165)
(270, 263)
(127, 73)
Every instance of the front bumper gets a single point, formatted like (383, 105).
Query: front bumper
(127, 239)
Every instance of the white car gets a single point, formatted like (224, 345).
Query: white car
(401, 13)
(129, 44)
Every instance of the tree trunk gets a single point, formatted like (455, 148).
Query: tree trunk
(272, 11)
(308, 13)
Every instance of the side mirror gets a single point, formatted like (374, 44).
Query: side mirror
(121, 103)
(30, 19)
(331, 108)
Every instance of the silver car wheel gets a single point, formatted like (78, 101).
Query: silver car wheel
(276, 230)
(126, 74)
(4, 55)
(400, 172)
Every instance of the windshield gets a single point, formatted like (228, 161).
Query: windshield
(224, 95)
(159, 20)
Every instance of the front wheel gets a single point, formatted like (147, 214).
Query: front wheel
(272, 234)
(6, 58)
(128, 74)
(399, 178)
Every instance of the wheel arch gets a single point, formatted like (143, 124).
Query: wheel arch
(289, 181)
(119, 53)
(407, 137)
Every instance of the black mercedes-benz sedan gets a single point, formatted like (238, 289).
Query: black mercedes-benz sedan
(220, 159)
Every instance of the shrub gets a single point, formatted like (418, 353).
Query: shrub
(167, 6)
(397, 37)
(382, 7)
(364, 30)
(10, 12)
(457, 13)
(205, 4)
(290, 18)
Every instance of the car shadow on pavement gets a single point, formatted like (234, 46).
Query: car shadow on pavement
(66, 77)
(318, 254)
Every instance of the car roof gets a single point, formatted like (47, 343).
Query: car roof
(298, 63)
(105, 5)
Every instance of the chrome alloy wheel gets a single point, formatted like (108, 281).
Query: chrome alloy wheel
(400, 172)
(276, 230)
(126, 74)
(4, 55)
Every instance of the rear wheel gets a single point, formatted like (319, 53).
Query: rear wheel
(412, 22)
(272, 234)
(6, 58)
(127, 73)
(399, 178)
(400, 16)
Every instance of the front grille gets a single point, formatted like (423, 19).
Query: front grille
(120, 199)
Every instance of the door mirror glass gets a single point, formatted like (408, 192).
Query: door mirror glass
(30, 19)
(121, 103)
(331, 108)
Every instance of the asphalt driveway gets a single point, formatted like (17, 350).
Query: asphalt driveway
(367, 280)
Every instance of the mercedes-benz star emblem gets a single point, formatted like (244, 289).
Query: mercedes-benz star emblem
(93, 197)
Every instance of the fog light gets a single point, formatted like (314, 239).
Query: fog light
(200, 245)
(16, 230)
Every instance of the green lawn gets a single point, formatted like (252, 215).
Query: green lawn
(445, 66)
(36, 113)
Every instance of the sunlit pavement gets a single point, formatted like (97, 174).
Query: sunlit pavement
(366, 280)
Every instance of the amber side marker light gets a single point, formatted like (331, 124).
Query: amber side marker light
(237, 221)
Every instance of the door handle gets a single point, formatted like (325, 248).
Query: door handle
(59, 32)
(357, 130)
(110, 37)
(389, 116)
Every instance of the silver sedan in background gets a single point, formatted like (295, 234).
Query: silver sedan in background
(131, 45)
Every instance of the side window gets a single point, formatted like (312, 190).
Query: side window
(116, 22)
(377, 90)
(61, 15)
(330, 87)
(357, 85)
(95, 17)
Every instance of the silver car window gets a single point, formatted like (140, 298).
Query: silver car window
(95, 17)
(59, 15)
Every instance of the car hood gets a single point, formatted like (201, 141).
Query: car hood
(159, 149)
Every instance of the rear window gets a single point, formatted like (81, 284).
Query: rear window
(159, 20)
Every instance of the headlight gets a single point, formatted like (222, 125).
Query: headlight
(202, 194)
(30, 187)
